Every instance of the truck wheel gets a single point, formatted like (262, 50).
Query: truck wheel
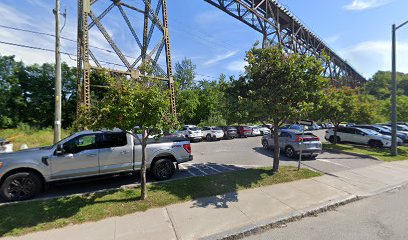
(163, 169)
(21, 186)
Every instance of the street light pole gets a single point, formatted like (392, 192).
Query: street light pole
(57, 120)
(394, 150)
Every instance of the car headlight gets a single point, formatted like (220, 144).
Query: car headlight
(1, 165)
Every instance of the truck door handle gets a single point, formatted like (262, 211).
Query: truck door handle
(124, 152)
(91, 155)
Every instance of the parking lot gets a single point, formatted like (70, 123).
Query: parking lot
(218, 157)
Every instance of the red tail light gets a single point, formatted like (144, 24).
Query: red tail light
(187, 147)
(317, 139)
(298, 139)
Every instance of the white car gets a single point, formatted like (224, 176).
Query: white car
(191, 132)
(5, 146)
(264, 130)
(255, 131)
(212, 133)
(360, 136)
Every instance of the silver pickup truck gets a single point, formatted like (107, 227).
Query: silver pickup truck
(23, 174)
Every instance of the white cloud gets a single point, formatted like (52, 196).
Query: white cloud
(221, 57)
(332, 39)
(369, 57)
(237, 66)
(365, 4)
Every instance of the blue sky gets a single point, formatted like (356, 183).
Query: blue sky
(358, 30)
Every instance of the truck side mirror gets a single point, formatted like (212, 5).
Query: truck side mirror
(60, 150)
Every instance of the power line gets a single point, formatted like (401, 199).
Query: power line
(71, 55)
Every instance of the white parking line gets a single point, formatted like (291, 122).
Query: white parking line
(213, 169)
(198, 169)
(222, 165)
(327, 161)
(182, 167)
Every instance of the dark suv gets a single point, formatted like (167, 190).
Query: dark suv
(230, 132)
(244, 131)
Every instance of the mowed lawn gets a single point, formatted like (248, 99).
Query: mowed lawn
(378, 153)
(31, 137)
(37, 215)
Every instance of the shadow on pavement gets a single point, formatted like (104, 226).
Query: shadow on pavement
(269, 153)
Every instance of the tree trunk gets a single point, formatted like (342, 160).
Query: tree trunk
(276, 148)
(143, 169)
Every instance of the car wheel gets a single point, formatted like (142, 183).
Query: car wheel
(331, 139)
(290, 152)
(375, 143)
(21, 186)
(265, 144)
(208, 138)
(163, 169)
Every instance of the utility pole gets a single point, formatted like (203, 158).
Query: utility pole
(394, 150)
(57, 120)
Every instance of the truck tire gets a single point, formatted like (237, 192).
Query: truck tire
(163, 169)
(21, 186)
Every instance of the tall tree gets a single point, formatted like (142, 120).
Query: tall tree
(129, 103)
(185, 74)
(281, 84)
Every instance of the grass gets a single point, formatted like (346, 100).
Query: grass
(25, 217)
(378, 153)
(31, 137)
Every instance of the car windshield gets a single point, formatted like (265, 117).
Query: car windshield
(217, 128)
(255, 128)
(231, 128)
(401, 128)
(194, 129)
(369, 131)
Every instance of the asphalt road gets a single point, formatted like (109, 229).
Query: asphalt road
(217, 157)
(383, 217)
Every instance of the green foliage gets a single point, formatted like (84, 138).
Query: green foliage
(27, 93)
(128, 103)
(282, 85)
(348, 105)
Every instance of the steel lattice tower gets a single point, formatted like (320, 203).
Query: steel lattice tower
(155, 23)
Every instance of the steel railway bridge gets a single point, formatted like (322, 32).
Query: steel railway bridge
(276, 24)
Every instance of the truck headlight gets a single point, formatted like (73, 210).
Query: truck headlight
(1, 165)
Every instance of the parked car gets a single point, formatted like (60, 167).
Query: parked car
(5, 146)
(359, 136)
(290, 141)
(23, 174)
(264, 130)
(295, 127)
(191, 132)
(384, 131)
(400, 128)
(244, 131)
(230, 132)
(255, 131)
(212, 133)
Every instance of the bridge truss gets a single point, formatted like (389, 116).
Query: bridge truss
(279, 26)
(149, 43)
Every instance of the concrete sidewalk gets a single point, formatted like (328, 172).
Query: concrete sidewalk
(239, 212)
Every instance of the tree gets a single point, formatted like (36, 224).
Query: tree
(338, 105)
(141, 105)
(185, 74)
(280, 85)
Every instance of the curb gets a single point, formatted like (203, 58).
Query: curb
(278, 222)
(298, 215)
(352, 154)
